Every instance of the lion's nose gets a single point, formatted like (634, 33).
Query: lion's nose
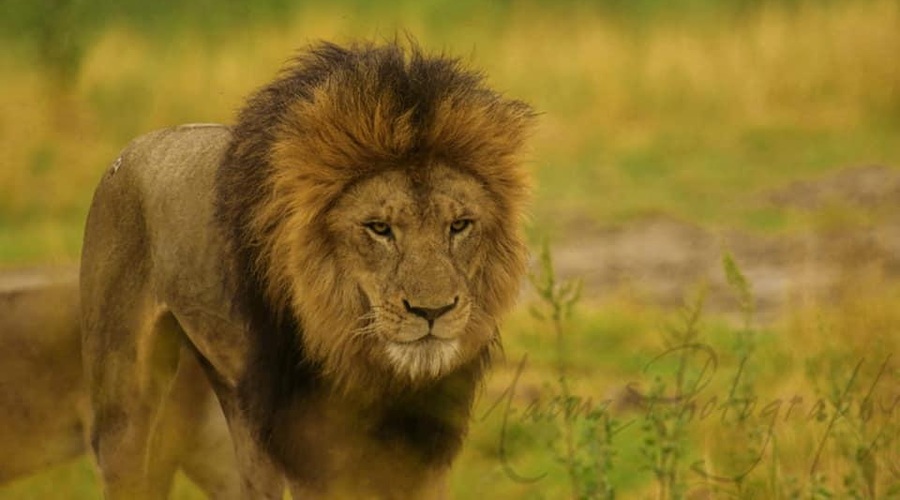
(430, 314)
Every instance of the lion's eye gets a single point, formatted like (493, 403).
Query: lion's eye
(379, 228)
(459, 225)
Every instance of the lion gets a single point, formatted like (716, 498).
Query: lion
(339, 261)
(44, 403)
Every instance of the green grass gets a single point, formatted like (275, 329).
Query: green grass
(776, 441)
(76, 480)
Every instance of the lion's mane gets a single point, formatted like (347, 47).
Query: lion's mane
(334, 117)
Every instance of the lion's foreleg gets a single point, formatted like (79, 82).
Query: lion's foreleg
(260, 478)
(207, 454)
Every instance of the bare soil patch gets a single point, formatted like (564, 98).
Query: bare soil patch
(661, 259)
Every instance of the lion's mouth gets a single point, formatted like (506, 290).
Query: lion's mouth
(424, 340)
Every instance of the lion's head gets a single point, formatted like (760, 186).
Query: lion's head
(381, 210)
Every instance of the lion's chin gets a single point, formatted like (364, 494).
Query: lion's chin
(425, 359)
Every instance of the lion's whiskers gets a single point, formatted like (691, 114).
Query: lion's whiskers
(368, 325)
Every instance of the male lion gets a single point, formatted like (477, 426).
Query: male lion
(338, 260)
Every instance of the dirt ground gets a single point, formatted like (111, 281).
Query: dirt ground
(12, 280)
(661, 259)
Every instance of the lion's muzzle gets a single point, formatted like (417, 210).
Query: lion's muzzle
(430, 314)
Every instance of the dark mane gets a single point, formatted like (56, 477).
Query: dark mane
(334, 116)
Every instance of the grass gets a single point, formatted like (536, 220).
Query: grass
(76, 480)
(687, 115)
(806, 408)
(646, 109)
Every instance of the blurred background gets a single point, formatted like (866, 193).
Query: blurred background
(739, 154)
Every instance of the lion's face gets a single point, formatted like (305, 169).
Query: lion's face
(412, 245)
(381, 209)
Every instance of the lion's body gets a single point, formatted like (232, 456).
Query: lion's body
(43, 401)
(338, 260)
